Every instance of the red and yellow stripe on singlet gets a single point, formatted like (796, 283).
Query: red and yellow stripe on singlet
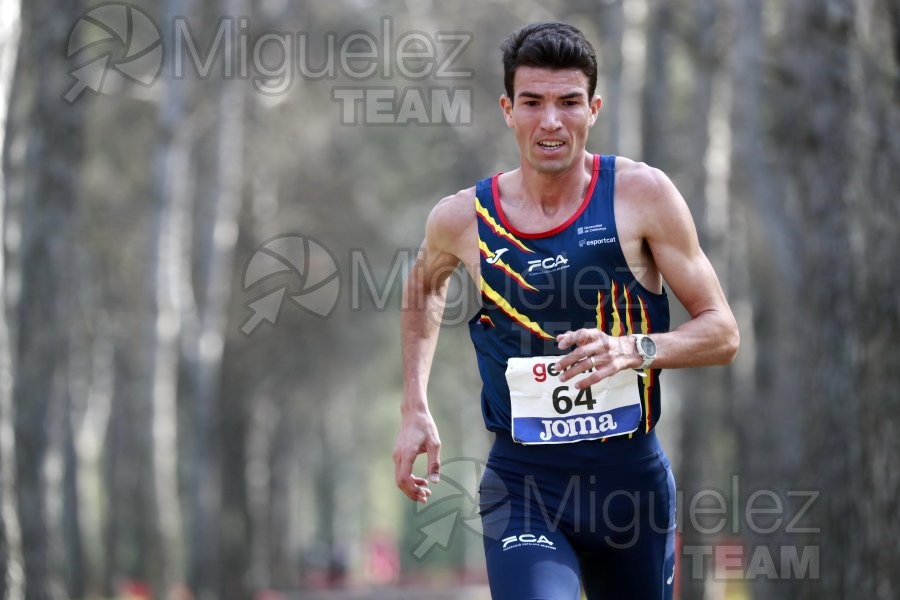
(486, 320)
(622, 327)
(650, 379)
(497, 228)
(601, 314)
(511, 312)
(617, 327)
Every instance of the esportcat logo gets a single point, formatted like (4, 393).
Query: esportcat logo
(547, 265)
(599, 241)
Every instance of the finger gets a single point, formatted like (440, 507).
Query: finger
(403, 462)
(576, 338)
(422, 492)
(579, 338)
(579, 355)
(586, 336)
(595, 377)
(565, 340)
(416, 488)
(434, 461)
(578, 367)
(571, 359)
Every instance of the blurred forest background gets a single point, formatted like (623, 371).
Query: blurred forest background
(195, 401)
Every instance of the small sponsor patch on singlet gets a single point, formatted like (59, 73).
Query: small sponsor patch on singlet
(546, 411)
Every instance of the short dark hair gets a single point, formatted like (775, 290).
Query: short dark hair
(548, 46)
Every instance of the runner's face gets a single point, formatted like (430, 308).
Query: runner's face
(551, 116)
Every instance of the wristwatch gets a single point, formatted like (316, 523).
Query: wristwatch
(646, 347)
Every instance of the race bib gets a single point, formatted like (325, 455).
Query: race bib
(546, 411)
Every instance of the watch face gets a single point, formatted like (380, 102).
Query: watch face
(648, 346)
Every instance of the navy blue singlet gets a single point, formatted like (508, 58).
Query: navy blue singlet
(537, 285)
(598, 514)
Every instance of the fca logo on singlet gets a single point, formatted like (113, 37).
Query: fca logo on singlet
(552, 263)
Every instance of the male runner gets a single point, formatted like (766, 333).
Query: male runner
(570, 251)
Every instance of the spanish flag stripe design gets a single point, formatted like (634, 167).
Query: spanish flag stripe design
(617, 327)
(601, 313)
(513, 314)
(497, 228)
(650, 379)
(629, 320)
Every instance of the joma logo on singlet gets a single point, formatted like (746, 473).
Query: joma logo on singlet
(496, 256)
(555, 429)
(553, 263)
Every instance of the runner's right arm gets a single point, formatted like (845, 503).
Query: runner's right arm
(423, 307)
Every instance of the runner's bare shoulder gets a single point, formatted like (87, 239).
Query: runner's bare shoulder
(650, 206)
(637, 180)
(451, 222)
(649, 195)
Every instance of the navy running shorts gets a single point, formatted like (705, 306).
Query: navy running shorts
(595, 514)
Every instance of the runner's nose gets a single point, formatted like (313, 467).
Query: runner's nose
(550, 119)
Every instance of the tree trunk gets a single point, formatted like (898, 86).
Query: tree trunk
(818, 46)
(92, 428)
(611, 23)
(875, 221)
(706, 439)
(68, 514)
(120, 460)
(51, 192)
(656, 92)
(169, 293)
(218, 237)
(634, 57)
(10, 544)
(765, 415)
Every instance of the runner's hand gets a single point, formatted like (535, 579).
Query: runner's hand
(610, 355)
(418, 435)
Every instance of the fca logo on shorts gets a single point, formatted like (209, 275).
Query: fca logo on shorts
(527, 539)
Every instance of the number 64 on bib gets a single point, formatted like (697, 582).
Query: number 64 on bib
(546, 411)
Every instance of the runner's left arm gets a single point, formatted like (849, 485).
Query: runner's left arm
(709, 337)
